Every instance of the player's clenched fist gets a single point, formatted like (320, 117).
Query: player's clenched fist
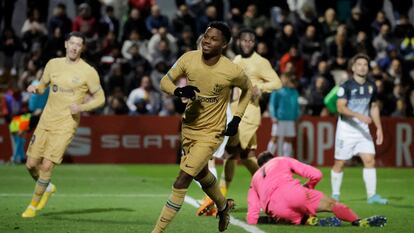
(187, 91)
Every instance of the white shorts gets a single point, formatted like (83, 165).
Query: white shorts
(284, 129)
(346, 148)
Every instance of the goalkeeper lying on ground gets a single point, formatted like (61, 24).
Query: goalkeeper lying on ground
(284, 199)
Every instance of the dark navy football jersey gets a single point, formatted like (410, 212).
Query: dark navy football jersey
(359, 98)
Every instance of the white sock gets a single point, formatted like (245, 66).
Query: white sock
(370, 179)
(287, 149)
(271, 147)
(279, 146)
(336, 182)
(49, 187)
(213, 170)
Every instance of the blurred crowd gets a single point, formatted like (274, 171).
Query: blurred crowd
(132, 44)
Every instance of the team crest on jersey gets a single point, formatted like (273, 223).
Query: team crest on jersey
(217, 89)
(54, 88)
(370, 89)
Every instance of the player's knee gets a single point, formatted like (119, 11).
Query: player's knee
(338, 166)
(46, 167)
(183, 181)
(369, 163)
(30, 165)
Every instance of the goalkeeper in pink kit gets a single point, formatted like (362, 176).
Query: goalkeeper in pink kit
(284, 199)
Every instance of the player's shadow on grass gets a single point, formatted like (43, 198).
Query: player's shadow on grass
(88, 211)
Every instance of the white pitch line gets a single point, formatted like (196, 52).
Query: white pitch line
(233, 220)
(86, 195)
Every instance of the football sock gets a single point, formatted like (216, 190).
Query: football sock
(251, 164)
(223, 186)
(170, 209)
(228, 174)
(279, 146)
(336, 182)
(40, 188)
(213, 171)
(287, 149)
(370, 179)
(271, 147)
(210, 187)
(344, 213)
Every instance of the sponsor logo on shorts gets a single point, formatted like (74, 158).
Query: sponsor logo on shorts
(186, 165)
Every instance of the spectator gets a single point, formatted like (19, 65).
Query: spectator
(382, 41)
(144, 99)
(135, 39)
(295, 58)
(10, 45)
(310, 46)
(285, 40)
(135, 22)
(329, 23)
(84, 22)
(156, 20)
(115, 79)
(162, 45)
(401, 109)
(55, 45)
(59, 20)
(210, 15)
(183, 19)
(315, 95)
(116, 103)
(252, 20)
(363, 44)
(33, 21)
(340, 49)
(380, 20)
(357, 23)
(109, 23)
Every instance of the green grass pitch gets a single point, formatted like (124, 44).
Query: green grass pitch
(129, 198)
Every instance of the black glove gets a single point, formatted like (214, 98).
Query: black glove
(233, 126)
(187, 91)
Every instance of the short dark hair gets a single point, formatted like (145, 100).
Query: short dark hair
(359, 56)
(76, 34)
(221, 26)
(247, 30)
(264, 157)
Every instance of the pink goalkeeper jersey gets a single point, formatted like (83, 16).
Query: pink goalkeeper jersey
(274, 190)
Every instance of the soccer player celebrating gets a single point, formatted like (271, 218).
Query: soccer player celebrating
(358, 108)
(264, 79)
(210, 78)
(284, 199)
(70, 78)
